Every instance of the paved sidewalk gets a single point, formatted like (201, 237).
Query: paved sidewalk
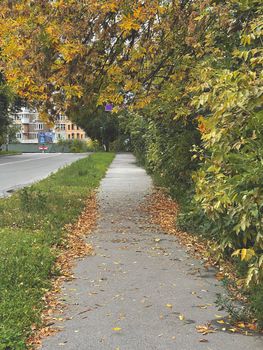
(136, 293)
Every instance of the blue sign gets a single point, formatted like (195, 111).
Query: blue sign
(46, 137)
(41, 137)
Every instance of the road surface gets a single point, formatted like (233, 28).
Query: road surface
(19, 171)
(140, 290)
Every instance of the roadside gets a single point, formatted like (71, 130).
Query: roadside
(9, 153)
(19, 171)
(33, 231)
(141, 290)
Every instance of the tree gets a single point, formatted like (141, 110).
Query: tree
(5, 99)
(190, 69)
(98, 124)
(9, 103)
(61, 53)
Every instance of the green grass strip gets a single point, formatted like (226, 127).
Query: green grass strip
(9, 153)
(31, 225)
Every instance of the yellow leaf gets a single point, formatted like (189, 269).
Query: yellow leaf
(247, 254)
(233, 330)
(236, 252)
(110, 7)
(128, 23)
(241, 324)
(170, 306)
(221, 321)
(243, 254)
(181, 317)
(116, 329)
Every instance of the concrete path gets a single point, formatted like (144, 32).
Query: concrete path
(20, 170)
(136, 293)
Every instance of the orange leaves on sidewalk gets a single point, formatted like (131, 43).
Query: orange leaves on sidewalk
(205, 329)
(163, 211)
(74, 246)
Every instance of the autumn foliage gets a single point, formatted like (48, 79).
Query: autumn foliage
(186, 78)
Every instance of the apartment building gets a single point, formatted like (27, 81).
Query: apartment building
(32, 130)
(74, 132)
(28, 126)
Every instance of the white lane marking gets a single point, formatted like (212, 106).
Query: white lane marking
(31, 160)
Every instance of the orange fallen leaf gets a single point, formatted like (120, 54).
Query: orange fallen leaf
(205, 329)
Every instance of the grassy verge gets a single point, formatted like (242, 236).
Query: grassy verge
(31, 229)
(9, 153)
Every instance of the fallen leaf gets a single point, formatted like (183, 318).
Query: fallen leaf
(233, 330)
(181, 317)
(220, 321)
(241, 324)
(252, 326)
(170, 306)
(205, 329)
(116, 329)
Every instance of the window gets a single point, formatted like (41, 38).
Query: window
(39, 126)
(62, 127)
(69, 137)
(72, 136)
(77, 135)
(32, 136)
(77, 128)
(68, 127)
(81, 136)
(72, 126)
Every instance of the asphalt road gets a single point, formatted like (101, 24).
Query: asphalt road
(140, 290)
(19, 171)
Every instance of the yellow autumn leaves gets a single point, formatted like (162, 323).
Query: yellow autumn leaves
(51, 49)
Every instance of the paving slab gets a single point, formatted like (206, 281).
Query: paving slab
(136, 293)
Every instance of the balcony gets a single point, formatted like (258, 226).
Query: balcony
(25, 120)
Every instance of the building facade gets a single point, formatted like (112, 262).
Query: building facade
(74, 132)
(30, 129)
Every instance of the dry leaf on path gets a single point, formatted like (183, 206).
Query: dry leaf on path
(116, 329)
(205, 329)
